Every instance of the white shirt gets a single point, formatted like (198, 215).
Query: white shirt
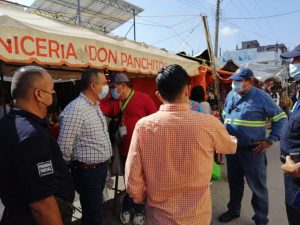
(83, 132)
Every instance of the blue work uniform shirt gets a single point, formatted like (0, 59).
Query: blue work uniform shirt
(245, 116)
(290, 143)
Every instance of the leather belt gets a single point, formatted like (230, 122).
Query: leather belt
(76, 164)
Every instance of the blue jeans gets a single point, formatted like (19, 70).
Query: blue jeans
(254, 168)
(89, 183)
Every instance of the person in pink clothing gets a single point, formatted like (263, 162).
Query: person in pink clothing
(170, 159)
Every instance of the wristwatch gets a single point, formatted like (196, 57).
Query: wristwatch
(270, 142)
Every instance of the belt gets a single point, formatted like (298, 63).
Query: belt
(295, 156)
(78, 164)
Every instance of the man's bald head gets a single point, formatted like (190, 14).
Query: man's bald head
(25, 79)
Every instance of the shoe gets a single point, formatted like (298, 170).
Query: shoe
(138, 219)
(227, 217)
(125, 217)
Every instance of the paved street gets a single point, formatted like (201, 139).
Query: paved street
(220, 195)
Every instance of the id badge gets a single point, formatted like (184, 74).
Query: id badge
(122, 130)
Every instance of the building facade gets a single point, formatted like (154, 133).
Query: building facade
(252, 52)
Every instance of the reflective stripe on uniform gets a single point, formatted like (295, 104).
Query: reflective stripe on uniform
(223, 113)
(245, 123)
(227, 121)
(279, 117)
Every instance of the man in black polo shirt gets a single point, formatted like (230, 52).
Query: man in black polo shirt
(36, 186)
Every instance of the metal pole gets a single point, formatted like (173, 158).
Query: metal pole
(134, 34)
(78, 12)
(2, 85)
(217, 28)
(212, 60)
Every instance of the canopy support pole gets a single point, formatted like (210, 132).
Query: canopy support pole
(212, 63)
(2, 85)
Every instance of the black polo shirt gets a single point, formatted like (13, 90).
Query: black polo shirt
(31, 165)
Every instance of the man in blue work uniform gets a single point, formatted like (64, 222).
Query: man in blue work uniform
(245, 112)
(290, 145)
(36, 187)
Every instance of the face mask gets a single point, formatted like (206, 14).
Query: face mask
(295, 71)
(114, 93)
(237, 86)
(105, 90)
(52, 107)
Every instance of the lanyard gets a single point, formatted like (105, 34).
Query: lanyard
(123, 107)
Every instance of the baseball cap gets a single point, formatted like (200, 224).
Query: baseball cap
(291, 54)
(242, 74)
(119, 78)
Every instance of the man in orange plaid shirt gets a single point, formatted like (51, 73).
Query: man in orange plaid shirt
(169, 164)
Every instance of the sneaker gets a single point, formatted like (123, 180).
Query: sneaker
(138, 219)
(125, 217)
(227, 217)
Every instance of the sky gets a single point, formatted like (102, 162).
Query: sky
(176, 25)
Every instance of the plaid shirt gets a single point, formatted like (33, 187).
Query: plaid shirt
(169, 164)
(83, 132)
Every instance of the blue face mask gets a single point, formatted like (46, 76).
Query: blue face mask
(295, 71)
(237, 86)
(104, 92)
(114, 94)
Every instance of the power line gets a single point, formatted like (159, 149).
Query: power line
(189, 4)
(249, 31)
(263, 17)
(267, 20)
(189, 36)
(204, 4)
(255, 25)
(173, 36)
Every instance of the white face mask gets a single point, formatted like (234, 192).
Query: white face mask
(237, 86)
(295, 71)
(104, 92)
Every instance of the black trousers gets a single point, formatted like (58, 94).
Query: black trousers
(66, 210)
(293, 215)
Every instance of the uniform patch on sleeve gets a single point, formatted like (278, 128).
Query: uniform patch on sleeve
(45, 168)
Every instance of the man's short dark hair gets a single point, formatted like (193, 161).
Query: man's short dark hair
(23, 79)
(88, 76)
(170, 81)
(197, 94)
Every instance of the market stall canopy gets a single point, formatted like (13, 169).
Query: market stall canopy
(100, 15)
(27, 38)
(264, 71)
(230, 66)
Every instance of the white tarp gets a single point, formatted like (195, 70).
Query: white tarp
(264, 71)
(27, 38)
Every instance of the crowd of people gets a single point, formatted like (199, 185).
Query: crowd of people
(165, 154)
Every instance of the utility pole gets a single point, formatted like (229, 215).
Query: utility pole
(217, 28)
(134, 34)
(78, 12)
